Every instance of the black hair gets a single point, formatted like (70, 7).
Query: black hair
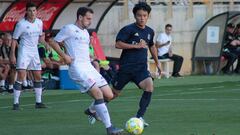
(83, 10)
(141, 6)
(30, 4)
(168, 25)
(230, 25)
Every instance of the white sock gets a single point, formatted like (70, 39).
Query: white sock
(2, 83)
(102, 111)
(25, 83)
(10, 86)
(16, 95)
(92, 107)
(38, 95)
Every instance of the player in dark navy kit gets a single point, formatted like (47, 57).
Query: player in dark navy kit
(134, 40)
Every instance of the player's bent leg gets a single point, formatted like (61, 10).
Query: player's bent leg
(102, 111)
(91, 112)
(116, 93)
(147, 86)
(107, 93)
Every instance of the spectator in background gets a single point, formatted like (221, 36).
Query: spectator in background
(229, 48)
(4, 60)
(164, 45)
(1, 68)
(237, 49)
(50, 60)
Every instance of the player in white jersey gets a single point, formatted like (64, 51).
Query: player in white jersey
(76, 40)
(29, 32)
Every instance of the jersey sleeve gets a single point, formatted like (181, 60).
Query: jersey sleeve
(41, 27)
(63, 34)
(151, 42)
(123, 35)
(17, 31)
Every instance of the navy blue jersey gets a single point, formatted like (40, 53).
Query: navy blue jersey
(132, 34)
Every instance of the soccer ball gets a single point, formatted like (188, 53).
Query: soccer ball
(134, 126)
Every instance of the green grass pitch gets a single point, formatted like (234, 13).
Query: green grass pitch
(193, 105)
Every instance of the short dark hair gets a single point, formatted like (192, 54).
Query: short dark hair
(83, 10)
(230, 25)
(168, 25)
(30, 4)
(141, 6)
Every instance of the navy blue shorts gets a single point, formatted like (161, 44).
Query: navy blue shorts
(122, 78)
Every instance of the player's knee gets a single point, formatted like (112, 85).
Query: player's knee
(116, 93)
(96, 93)
(149, 90)
(109, 96)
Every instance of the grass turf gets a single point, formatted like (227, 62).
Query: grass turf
(194, 105)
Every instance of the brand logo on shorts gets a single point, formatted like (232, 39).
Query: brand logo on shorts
(90, 80)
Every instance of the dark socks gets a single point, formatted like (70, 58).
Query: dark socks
(144, 102)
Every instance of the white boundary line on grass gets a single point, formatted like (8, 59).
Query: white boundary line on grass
(133, 98)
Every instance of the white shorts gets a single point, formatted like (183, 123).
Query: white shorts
(28, 61)
(86, 77)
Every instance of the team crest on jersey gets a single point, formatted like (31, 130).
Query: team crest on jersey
(28, 27)
(136, 34)
(149, 37)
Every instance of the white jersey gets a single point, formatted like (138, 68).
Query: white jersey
(76, 42)
(81, 70)
(28, 33)
(162, 39)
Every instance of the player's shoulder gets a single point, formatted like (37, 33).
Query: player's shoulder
(149, 29)
(38, 20)
(69, 27)
(162, 34)
(21, 21)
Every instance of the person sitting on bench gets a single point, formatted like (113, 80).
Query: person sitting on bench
(164, 45)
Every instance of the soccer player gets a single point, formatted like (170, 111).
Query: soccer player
(28, 30)
(134, 40)
(76, 40)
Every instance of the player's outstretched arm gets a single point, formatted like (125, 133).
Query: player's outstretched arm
(122, 45)
(153, 51)
(57, 48)
(12, 52)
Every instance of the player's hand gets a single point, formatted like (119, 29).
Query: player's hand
(159, 69)
(168, 42)
(142, 44)
(67, 59)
